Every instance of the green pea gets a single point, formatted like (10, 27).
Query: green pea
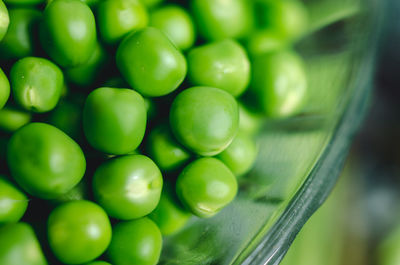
(24, 2)
(13, 202)
(68, 32)
(128, 187)
(19, 245)
(222, 64)
(4, 89)
(44, 161)
(78, 231)
(176, 23)
(98, 263)
(166, 152)
(240, 154)
(250, 122)
(279, 83)
(150, 63)
(116, 18)
(206, 186)
(12, 119)
(36, 84)
(114, 120)
(135, 242)
(4, 19)
(220, 19)
(91, 3)
(152, 3)
(264, 41)
(20, 40)
(204, 119)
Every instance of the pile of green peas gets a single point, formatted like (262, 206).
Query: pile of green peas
(122, 119)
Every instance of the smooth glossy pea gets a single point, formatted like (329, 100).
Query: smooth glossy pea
(222, 64)
(24, 2)
(135, 242)
(206, 186)
(150, 63)
(4, 89)
(176, 23)
(264, 41)
(114, 120)
(68, 32)
(44, 161)
(128, 187)
(4, 19)
(204, 119)
(13, 202)
(36, 84)
(12, 119)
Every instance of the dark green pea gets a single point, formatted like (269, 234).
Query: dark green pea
(78, 231)
(279, 83)
(68, 32)
(19, 245)
(128, 187)
(152, 3)
(206, 186)
(264, 41)
(4, 89)
(12, 119)
(176, 23)
(4, 19)
(20, 40)
(24, 2)
(36, 84)
(222, 64)
(204, 119)
(114, 120)
(150, 63)
(116, 18)
(13, 202)
(135, 242)
(44, 161)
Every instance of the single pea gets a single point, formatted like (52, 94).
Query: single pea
(135, 242)
(13, 202)
(12, 119)
(44, 161)
(116, 18)
(166, 152)
(24, 2)
(20, 40)
(220, 19)
(19, 245)
(279, 83)
(206, 186)
(222, 64)
(4, 20)
(68, 32)
(99, 262)
(114, 120)
(240, 154)
(91, 3)
(36, 84)
(128, 187)
(250, 122)
(4, 89)
(152, 3)
(204, 119)
(264, 41)
(176, 23)
(150, 63)
(78, 231)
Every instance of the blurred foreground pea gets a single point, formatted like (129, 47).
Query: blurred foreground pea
(4, 19)
(19, 245)
(128, 187)
(264, 41)
(150, 63)
(68, 32)
(206, 186)
(44, 161)
(36, 84)
(114, 120)
(4, 89)
(13, 202)
(204, 119)
(152, 3)
(222, 64)
(135, 242)
(78, 231)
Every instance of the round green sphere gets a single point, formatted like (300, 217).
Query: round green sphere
(13, 202)
(5, 20)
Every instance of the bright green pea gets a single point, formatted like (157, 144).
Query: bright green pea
(44, 161)
(24, 2)
(13, 202)
(4, 19)
(19, 245)
(12, 119)
(20, 40)
(135, 242)
(91, 3)
(116, 18)
(128, 187)
(98, 263)
(250, 122)
(220, 19)
(78, 231)
(114, 120)
(204, 119)
(176, 23)
(206, 186)
(222, 64)
(4, 89)
(166, 152)
(36, 84)
(279, 83)
(150, 63)
(264, 41)
(68, 32)
(152, 3)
